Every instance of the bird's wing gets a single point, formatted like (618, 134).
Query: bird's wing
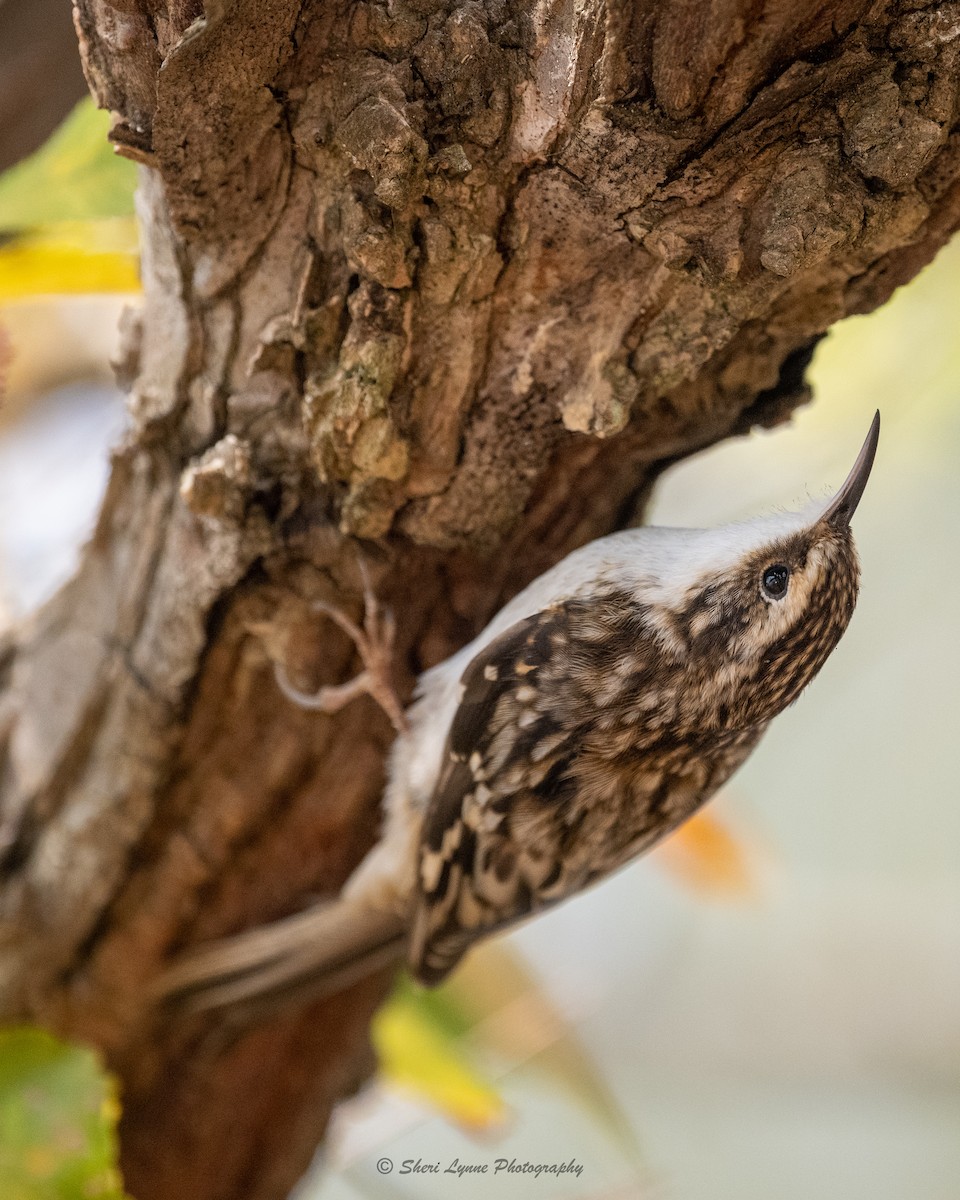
(512, 826)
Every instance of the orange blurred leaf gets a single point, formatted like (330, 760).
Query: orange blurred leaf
(706, 855)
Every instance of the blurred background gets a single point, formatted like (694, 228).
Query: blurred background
(767, 1006)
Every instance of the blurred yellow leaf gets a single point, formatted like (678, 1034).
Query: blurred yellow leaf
(66, 215)
(71, 256)
(708, 856)
(419, 1051)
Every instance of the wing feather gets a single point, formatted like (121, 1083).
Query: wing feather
(493, 829)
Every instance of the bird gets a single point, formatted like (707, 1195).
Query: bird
(599, 709)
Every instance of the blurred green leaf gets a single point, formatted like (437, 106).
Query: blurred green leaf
(74, 176)
(66, 215)
(58, 1116)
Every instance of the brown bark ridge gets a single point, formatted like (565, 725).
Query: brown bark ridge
(453, 281)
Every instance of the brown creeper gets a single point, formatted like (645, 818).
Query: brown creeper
(599, 709)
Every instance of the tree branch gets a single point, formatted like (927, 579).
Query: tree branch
(460, 282)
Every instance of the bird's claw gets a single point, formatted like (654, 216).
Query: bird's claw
(374, 643)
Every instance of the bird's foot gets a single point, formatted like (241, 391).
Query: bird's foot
(374, 643)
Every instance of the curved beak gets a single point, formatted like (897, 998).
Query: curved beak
(844, 504)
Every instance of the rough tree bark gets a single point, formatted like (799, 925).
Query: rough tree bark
(458, 280)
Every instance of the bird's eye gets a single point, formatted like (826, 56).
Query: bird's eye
(775, 580)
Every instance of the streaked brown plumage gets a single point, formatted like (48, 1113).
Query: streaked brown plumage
(600, 709)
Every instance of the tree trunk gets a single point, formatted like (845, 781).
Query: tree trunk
(450, 281)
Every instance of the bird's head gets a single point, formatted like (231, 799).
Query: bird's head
(759, 606)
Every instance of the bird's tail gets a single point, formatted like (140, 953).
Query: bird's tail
(314, 953)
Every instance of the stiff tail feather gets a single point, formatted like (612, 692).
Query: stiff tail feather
(311, 954)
